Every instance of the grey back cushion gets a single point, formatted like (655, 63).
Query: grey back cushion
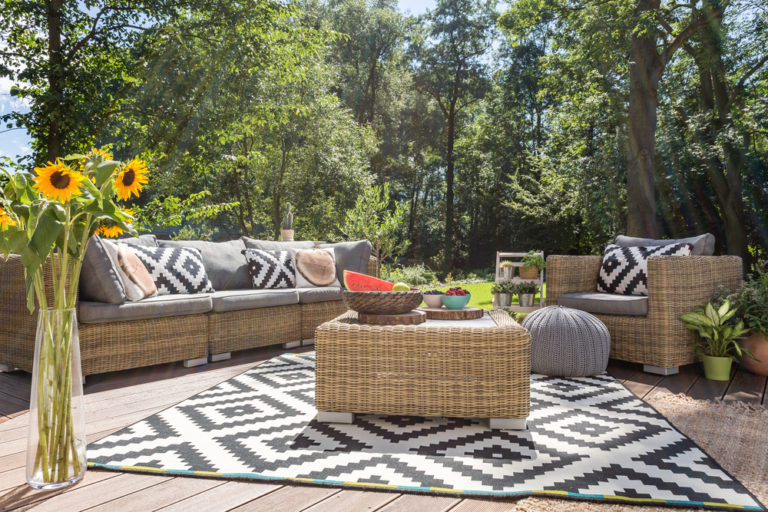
(99, 281)
(143, 240)
(352, 256)
(703, 245)
(271, 245)
(224, 262)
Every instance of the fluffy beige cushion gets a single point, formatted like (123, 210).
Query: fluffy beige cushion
(315, 267)
(136, 271)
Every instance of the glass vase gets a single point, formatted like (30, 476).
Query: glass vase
(56, 441)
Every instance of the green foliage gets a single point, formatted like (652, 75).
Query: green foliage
(534, 259)
(718, 334)
(415, 275)
(373, 219)
(526, 287)
(751, 299)
(503, 287)
(174, 212)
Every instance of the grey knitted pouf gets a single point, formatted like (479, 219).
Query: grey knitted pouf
(567, 342)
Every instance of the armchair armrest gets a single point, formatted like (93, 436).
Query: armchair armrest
(570, 274)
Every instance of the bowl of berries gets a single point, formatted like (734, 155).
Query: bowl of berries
(456, 298)
(433, 298)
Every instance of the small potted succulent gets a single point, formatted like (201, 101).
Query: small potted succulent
(456, 298)
(433, 298)
(286, 233)
(752, 302)
(503, 291)
(507, 269)
(526, 292)
(718, 338)
(533, 263)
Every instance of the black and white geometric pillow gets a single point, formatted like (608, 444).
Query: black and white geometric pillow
(175, 270)
(270, 269)
(625, 269)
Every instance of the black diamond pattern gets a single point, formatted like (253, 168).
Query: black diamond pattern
(175, 269)
(625, 269)
(271, 269)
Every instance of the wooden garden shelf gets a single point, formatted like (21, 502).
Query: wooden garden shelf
(515, 258)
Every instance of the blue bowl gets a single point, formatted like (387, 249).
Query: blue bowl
(455, 301)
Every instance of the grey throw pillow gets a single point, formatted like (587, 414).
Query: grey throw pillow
(224, 262)
(352, 256)
(272, 245)
(703, 245)
(99, 281)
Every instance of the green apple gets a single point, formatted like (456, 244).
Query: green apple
(401, 287)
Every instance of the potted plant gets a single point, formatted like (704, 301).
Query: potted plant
(752, 302)
(533, 263)
(526, 291)
(718, 338)
(286, 233)
(507, 269)
(503, 291)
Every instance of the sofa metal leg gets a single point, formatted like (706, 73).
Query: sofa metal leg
(658, 370)
(200, 361)
(310, 341)
(292, 344)
(215, 358)
(335, 417)
(507, 423)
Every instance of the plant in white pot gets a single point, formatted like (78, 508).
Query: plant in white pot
(752, 302)
(286, 233)
(718, 338)
(503, 291)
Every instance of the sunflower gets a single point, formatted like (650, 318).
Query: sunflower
(131, 179)
(128, 211)
(57, 182)
(103, 153)
(110, 231)
(5, 219)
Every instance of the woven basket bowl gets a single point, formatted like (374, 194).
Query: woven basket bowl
(382, 303)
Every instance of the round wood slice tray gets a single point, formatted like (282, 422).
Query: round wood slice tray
(409, 318)
(452, 314)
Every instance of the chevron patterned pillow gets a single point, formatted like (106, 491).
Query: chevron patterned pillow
(270, 269)
(625, 269)
(177, 270)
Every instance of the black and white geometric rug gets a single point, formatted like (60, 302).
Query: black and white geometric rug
(587, 438)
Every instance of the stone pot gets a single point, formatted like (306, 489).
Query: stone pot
(529, 273)
(286, 235)
(758, 345)
(717, 368)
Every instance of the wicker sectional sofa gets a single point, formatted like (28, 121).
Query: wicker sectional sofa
(169, 328)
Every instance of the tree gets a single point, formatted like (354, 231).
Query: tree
(450, 69)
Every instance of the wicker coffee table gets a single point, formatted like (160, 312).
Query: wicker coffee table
(467, 369)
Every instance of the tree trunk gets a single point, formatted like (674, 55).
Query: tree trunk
(55, 78)
(449, 170)
(644, 73)
(277, 193)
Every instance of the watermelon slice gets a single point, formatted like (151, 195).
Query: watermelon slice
(356, 282)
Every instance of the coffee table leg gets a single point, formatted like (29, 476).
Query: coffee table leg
(335, 417)
(507, 423)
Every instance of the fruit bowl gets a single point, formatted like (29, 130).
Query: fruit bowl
(382, 303)
(433, 301)
(455, 301)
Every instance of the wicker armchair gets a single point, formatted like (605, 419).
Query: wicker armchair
(676, 285)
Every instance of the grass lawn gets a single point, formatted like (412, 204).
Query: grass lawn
(481, 294)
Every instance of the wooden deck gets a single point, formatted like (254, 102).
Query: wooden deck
(119, 399)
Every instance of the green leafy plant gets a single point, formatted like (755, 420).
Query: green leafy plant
(534, 259)
(718, 334)
(414, 274)
(526, 287)
(174, 212)
(752, 298)
(503, 288)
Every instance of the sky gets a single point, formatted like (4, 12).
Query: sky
(16, 143)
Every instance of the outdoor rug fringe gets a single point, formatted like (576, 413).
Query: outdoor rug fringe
(589, 439)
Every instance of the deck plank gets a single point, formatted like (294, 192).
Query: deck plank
(679, 383)
(705, 389)
(222, 497)
(25, 498)
(288, 499)
(746, 387)
(353, 501)
(167, 491)
(411, 502)
(486, 506)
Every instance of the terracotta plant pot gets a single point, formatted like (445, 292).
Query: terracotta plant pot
(758, 345)
(717, 368)
(286, 235)
(529, 273)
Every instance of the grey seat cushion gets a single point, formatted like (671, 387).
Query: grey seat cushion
(238, 300)
(271, 245)
(703, 245)
(145, 309)
(323, 294)
(606, 303)
(99, 281)
(352, 256)
(224, 262)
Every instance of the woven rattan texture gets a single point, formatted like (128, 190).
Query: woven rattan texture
(251, 328)
(382, 303)
(676, 285)
(316, 313)
(567, 342)
(423, 370)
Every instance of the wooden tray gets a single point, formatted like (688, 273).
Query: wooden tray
(409, 318)
(452, 314)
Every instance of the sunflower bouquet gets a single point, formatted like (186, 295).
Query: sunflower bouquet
(48, 218)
